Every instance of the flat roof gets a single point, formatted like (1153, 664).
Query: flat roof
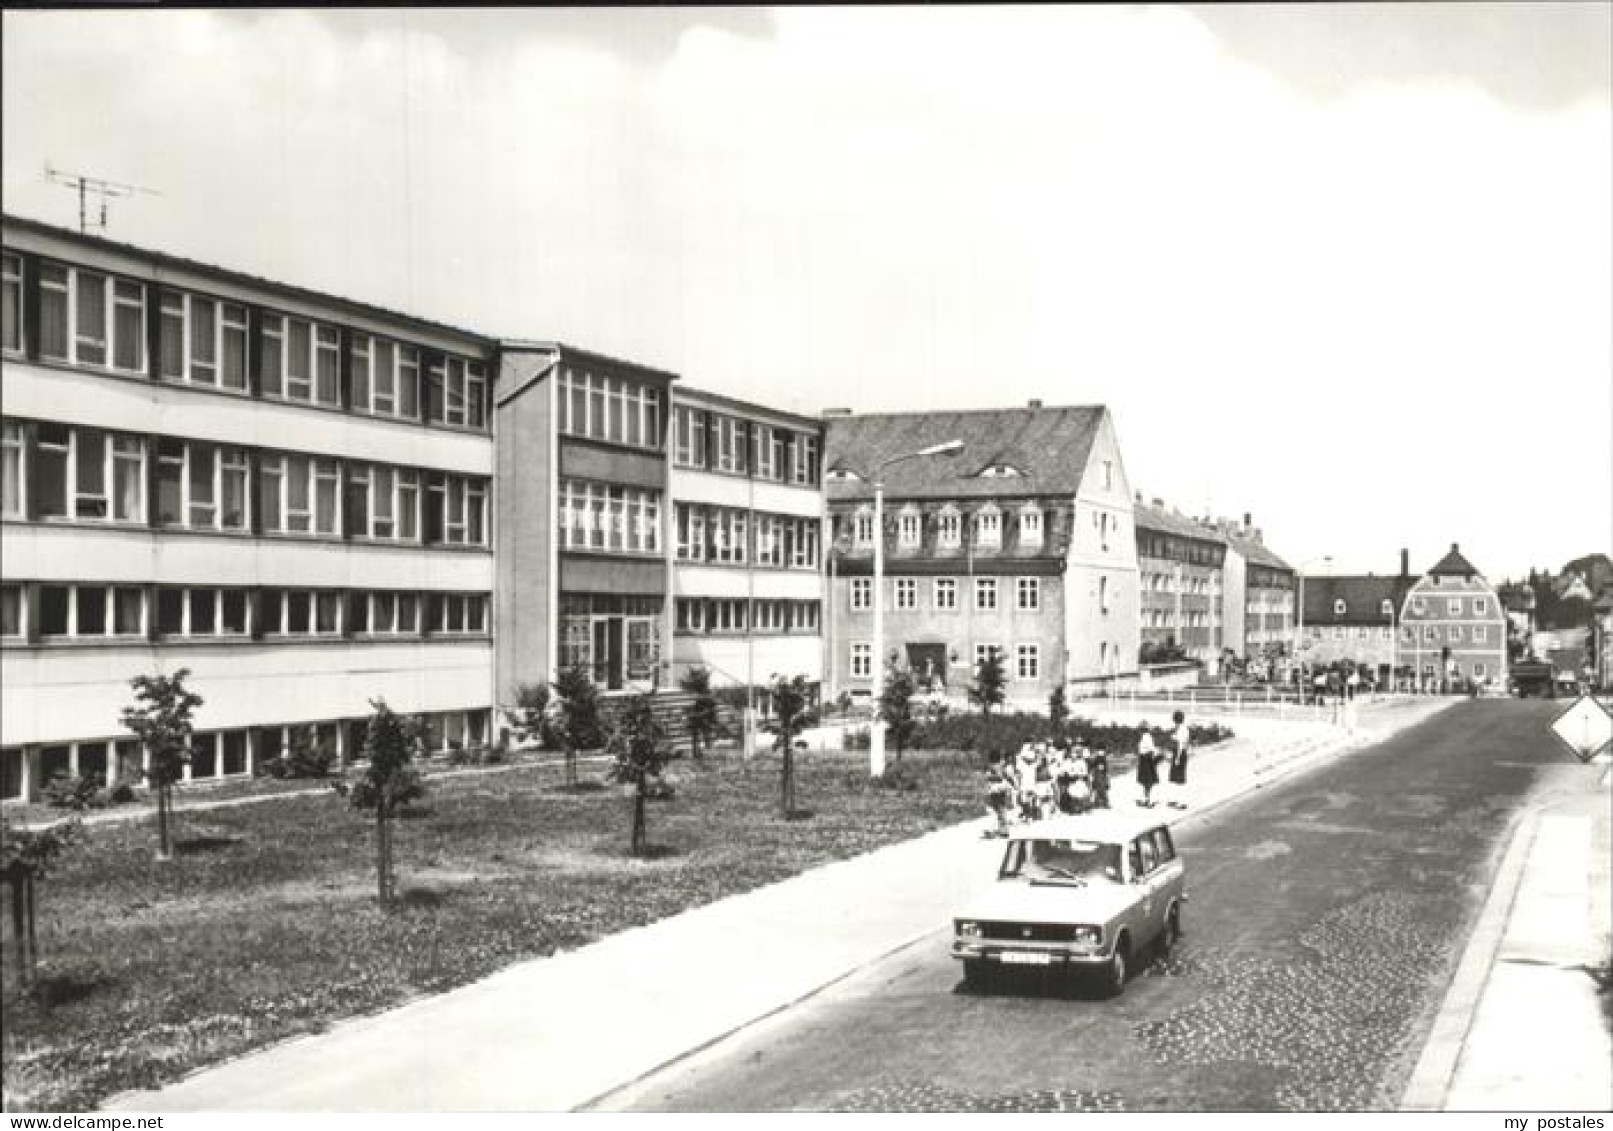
(1105, 827)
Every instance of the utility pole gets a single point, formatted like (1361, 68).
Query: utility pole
(101, 190)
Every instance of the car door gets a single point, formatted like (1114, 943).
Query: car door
(1150, 911)
(1169, 869)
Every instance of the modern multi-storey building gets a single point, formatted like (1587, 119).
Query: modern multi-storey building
(1258, 600)
(583, 565)
(1181, 567)
(284, 492)
(747, 523)
(1454, 627)
(1020, 544)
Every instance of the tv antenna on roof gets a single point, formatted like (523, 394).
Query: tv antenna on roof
(102, 190)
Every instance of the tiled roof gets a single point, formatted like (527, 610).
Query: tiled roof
(1454, 562)
(1257, 553)
(1169, 522)
(1363, 598)
(1047, 446)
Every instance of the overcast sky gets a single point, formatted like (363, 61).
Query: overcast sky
(1347, 268)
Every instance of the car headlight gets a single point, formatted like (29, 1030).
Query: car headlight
(1090, 935)
(968, 928)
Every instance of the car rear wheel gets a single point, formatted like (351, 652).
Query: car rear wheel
(1114, 974)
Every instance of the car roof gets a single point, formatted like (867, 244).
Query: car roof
(1104, 827)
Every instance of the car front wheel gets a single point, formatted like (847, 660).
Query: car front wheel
(1114, 977)
(1172, 934)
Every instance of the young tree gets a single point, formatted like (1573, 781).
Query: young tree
(640, 757)
(896, 708)
(576, 720)
(386, 783)
(161, 718)
(791, 715)
(988, 690)
(703, 711)
(26, 857)
(531, 720)
(1058, 710)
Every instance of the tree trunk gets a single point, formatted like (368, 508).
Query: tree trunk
(571, 766)
(787, 782)
(32, 945)
(165, 847)
(639, 832)
(383, 858)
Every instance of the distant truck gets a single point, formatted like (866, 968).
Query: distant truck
(1532, 677)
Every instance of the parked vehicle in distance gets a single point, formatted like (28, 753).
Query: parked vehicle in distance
(1082, 894)
(1532, 677)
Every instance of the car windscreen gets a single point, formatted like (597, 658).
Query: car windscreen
(1056, 860)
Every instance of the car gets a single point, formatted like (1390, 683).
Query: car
(1087, 894)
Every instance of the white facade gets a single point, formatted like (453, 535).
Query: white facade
(299, 558)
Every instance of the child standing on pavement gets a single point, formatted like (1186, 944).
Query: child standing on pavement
(999, 793)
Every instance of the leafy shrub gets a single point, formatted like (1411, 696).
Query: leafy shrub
(85, 791)
(306, 757)
(460, 755)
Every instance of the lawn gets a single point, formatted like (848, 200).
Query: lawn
(265, 925)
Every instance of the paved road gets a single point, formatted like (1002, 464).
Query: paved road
(1327, 914)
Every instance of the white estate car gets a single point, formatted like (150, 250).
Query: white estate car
(1080, 893)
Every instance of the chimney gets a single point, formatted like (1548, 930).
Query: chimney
(1139, 497)
(1034, 402)
(1405, 562)
(1159, 504)
(1248, 520)
(837, 412)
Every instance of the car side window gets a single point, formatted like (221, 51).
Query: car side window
(1135, 858)
(1146, 844)
(1163, 846)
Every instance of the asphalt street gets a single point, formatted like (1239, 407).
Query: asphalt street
(1326, 916)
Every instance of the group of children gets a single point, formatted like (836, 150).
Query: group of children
(1057, 777)
(1043, 779)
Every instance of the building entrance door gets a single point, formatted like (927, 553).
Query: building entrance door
(608, 652)
(928, 663)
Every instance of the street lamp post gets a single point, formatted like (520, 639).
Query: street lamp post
(876, 729)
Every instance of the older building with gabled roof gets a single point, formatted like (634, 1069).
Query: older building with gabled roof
(1021, 543)
(1454, 627)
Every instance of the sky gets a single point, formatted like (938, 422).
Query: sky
(1348, 269)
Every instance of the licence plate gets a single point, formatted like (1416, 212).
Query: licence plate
(1025, 958)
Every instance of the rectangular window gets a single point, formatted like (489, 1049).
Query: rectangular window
(862, 661)
(946, 594)
(1027, 662)
(53, 610)
(1481, 634)
(986, 594)
(11, 624)
(91, 610)
(12, 488)
(907, 593)
(989, 528)
(1453, 607)
(1480, 607)
(11, 303)
(53, 308)
(170, 612)
(1028, 594)
(862, 594)
(806, 470)
(984, 652)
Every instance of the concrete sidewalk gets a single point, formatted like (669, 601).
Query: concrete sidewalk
(555, 1034)
(1525, 1025)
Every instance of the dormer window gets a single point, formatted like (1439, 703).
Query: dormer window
(862, 527)
(909, 528)
(1388, 607)
(1000, 471)
(989, 527)
(1030, 527)
(1338, 606)
(842, 475)
(949, 527)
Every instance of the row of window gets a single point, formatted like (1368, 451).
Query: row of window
(1025, 663)
(221, 753)
(732, 536)
(94, 319)
(604, 516)
(1166, 618)
(1174, 583)
(711, 441)
(1431, 634)
(719, 615)
(947, 524)
(1454, 606)
(1027, 593)
(61, 471)
(1152, 545)
(613, 409)
(52, 610)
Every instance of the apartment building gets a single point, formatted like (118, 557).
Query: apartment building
(1257, 594)
(286, 493)
(1180, 563)
(1019, 544)
(747, 540)
(1453, 627)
